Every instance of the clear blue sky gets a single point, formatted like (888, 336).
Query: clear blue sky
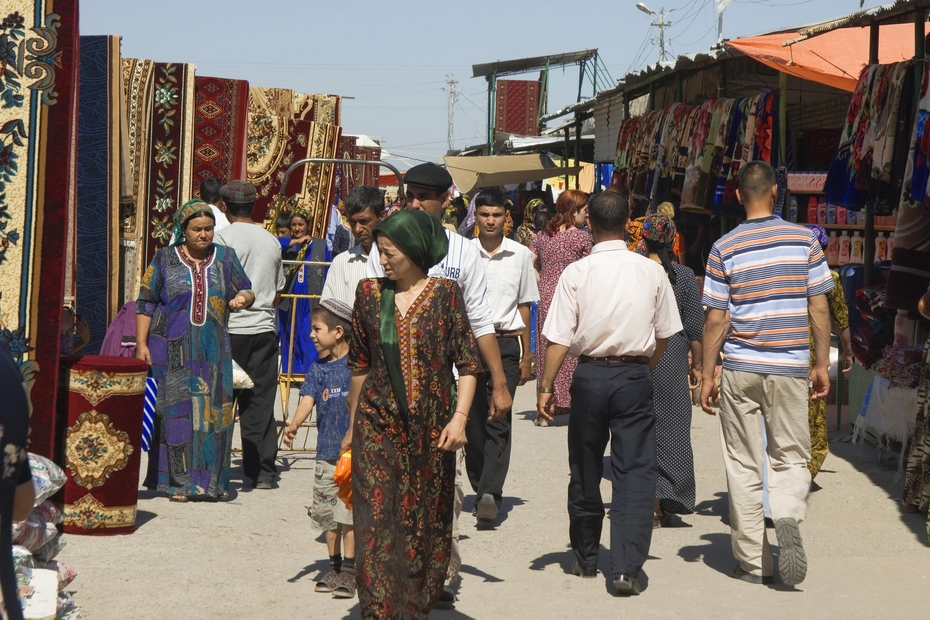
(393, 57)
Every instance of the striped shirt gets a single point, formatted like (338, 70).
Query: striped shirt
(763, 272)
(345, 272)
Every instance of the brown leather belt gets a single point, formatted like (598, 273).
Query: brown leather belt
(513, 334)
(614, 359)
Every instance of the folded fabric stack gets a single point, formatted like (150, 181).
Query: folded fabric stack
(873, 330)
(900, 365)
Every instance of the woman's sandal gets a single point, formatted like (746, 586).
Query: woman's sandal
(180, 499)
(221, 496)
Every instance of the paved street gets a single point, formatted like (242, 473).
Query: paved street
(253, 558)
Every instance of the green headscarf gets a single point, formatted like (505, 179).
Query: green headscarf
(423, 240)
(183, 214)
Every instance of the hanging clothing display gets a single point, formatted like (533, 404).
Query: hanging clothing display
(864, 169)
(693, 154)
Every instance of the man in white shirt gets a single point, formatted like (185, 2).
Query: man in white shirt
(210, 194)
(512, 287)
(427, 188)
(252, 332)
(364, 210)
(615, 311)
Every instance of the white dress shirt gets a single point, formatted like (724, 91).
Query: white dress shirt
(345, 272)
(511, 282)
(462, 263)
(612, 302)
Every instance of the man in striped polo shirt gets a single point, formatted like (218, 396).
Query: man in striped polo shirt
(764, 279)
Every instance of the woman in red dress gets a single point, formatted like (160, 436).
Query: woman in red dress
(563, 241)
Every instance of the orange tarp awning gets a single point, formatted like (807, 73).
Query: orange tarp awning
(835, 58)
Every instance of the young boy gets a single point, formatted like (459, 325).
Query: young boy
(327, 386)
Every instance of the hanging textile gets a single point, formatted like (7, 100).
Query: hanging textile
(863, 169)
(220, 124)
(313, 185)
(326, 109)
(171, 142)
(909, 276)
(269, 132)
(98, 185)
(38, 107)
(517, 107)
(699, 134)
(353, 176)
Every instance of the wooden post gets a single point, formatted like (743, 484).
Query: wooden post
(492, 90)
(565, 156)
(782, 117)
(577, 147)
(873, 43)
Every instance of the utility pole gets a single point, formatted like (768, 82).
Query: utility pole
(721, 5)
(453, 95)
(661, 24)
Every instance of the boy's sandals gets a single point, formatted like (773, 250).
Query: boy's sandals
(344, 586)
(327, 581)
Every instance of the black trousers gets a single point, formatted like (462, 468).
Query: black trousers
(258, 356)
(487, 453)
(612, 401)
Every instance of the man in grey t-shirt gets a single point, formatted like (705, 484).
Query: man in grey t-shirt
(252, 331)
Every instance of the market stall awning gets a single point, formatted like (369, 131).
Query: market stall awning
(470, 173)
(835, 58)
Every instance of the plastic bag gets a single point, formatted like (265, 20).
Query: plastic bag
(22, 557)
(49, 511)
(241, 379)
(34, 532)
(46, 477)
(66, 574)
(343, 478)
(50, 550)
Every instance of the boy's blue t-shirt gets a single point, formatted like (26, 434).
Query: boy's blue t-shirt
(328, 384)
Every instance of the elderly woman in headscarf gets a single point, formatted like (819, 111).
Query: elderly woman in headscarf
(182, 312)
(408, 332)
(526, 232)
(672, 378)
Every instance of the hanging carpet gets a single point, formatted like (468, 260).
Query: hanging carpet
(220, 125)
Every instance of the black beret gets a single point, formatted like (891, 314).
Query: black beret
(430, 176)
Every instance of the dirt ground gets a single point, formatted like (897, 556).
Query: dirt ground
(253, 557)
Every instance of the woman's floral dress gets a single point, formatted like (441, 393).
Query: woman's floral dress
(403, 485)
(556, 252)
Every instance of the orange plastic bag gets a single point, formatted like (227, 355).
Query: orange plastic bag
(343, 478)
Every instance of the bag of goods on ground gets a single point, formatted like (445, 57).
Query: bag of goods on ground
(46, 476)
(22, 557)
(49, 511)
(66, 574)
(34, 532)
(50, 550)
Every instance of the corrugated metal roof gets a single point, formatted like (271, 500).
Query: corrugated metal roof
(522, 65)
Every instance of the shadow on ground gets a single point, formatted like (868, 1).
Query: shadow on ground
(883, 472)
(468, 504)
(716, 552)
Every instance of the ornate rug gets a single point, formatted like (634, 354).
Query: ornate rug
(102, 443)
(38, 107)
(98, 185)
(277, 138)
(169, 156)
(325, 109)
(348, 176)
(220, 125)
(517, 109)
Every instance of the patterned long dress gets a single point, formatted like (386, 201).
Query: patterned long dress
(917, 483)
(192, 362)
(403, 485)
(817, 409)
(556, 252)
(672, 400)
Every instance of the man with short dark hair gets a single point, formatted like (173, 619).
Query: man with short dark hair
(210, 194)
(364, 209)
(615, 310)
(252, 331)
(763, 280)
(512, 288)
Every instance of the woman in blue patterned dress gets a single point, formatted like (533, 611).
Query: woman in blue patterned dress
(182, 313)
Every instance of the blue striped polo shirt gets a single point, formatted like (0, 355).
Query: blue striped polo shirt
(763, 272)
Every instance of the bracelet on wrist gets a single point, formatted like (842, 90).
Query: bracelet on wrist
(462, 412)
(545, 390)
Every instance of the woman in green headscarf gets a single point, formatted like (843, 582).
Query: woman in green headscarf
(182, 312)
(408, 331)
